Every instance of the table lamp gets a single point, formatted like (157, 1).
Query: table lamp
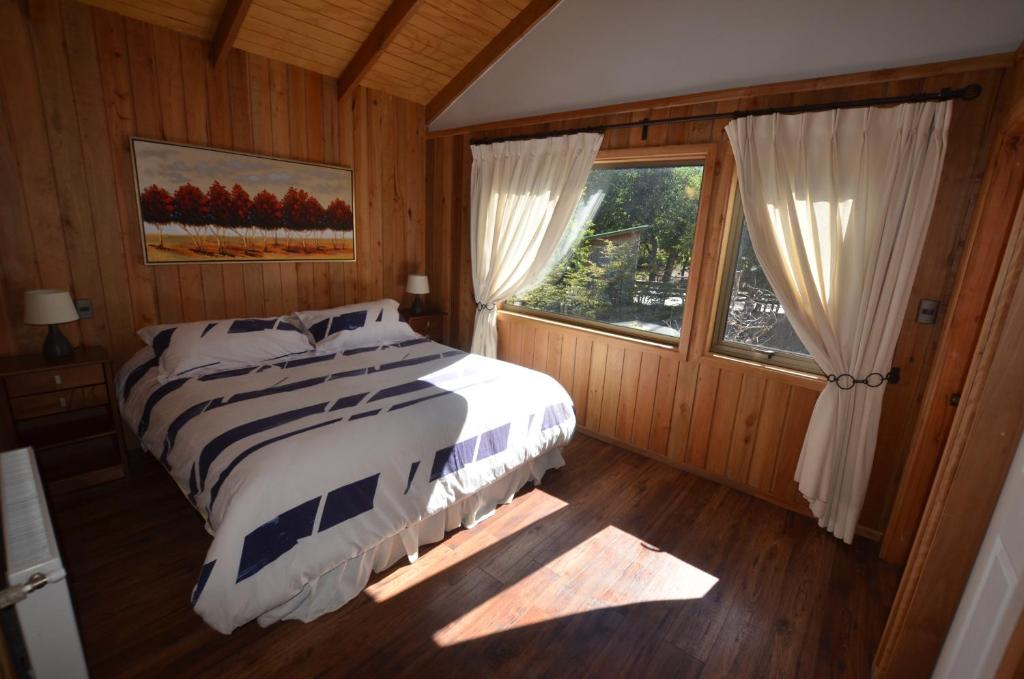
(417, 285)
(51, 307)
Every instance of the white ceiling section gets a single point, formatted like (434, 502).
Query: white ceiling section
(595, 52)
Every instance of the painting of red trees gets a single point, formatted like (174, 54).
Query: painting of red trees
(200, 204)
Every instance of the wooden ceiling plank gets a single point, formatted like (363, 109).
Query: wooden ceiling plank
(501, 43)
(312, 12)
(378, 40)
(227, 30)
(308, 35)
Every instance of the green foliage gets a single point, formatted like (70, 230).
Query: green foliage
(605, 279)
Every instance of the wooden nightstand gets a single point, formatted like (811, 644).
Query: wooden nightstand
(67, 411)
(429, 323)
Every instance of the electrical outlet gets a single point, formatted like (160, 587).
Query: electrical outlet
(84, 307)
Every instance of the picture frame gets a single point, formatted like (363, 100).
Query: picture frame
(199, 204)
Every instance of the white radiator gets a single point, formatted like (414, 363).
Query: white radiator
(45, 616)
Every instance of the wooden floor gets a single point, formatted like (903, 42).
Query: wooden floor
(616, 566)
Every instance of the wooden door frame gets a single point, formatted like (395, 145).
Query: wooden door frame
(983, 436)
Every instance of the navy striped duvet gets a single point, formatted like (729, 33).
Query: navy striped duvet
(301, 465)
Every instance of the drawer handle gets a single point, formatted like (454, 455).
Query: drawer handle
(57, 379)
(63, 402)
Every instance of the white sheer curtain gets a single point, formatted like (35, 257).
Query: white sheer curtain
(838, 205)
(523, 196)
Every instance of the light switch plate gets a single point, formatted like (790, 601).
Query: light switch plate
(927, 311)
(84, 307)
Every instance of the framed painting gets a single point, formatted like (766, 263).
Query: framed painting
(199, 204)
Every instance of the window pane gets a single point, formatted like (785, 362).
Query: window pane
(631, 266)
(755, 317)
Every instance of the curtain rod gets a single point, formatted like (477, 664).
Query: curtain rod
(966, 93)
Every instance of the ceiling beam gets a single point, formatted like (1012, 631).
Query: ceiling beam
(493, 51)
(227, 30)
(376, 42)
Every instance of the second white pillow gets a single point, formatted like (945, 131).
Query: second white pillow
(356, 326)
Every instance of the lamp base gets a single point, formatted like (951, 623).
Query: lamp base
(417, 305)
(56, 347)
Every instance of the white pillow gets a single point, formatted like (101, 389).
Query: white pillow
(356, 325)
(187, 349)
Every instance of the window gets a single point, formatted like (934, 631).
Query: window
(751, 322)
(629, 270)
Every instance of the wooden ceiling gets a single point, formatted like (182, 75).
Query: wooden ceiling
(427, 51)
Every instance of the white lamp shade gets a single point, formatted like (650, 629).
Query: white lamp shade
(48, 307)
(417, 284)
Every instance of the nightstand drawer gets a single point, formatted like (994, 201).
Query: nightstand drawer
(54, 379)
(422, 324)
(37, 405)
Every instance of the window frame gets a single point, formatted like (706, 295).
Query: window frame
(723, 347)
(702, 154)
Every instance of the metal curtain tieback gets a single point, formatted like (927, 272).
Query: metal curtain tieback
(846, 381)
(490, 306)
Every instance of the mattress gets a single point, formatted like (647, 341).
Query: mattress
(311, 472)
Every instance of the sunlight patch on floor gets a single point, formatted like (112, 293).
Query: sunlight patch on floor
(456, 547)
(609, 569)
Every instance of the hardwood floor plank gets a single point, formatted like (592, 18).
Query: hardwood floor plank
(617, 566)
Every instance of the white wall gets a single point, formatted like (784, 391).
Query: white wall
(595, 52)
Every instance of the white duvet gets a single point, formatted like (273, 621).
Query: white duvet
(300, 466)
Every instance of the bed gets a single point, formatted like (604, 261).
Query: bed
(313, 472)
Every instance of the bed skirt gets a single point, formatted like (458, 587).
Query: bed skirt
(336, 587)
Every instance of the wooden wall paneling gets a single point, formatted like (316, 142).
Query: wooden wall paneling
(202, 285)
(21, 271)
(142, 55)
(646, 391)
(554, 360)
(393, 264)
(348, 149)
(539, 344)
(748, 414)
(262, 281)
(610, 388)
(466, 301)
(332, 112)
(623, 428)
(527, 345)
(218, 95)
(798, 413)
(87, 80)
(438, 243)
(665, 396)
(723, 421)
(28, 139)
(964, 166)
(567, 361)
(319, 292)
(416, 142)
(249, 87)
(298, 135)
(68, 165)
(987, 427)
(582, 364)
(595, 385)
(702, 417)
(770, 421)
(681, 419)
(1004, 178)
(727, 434)
(367, 206)
(280, 283)
(115, 77)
